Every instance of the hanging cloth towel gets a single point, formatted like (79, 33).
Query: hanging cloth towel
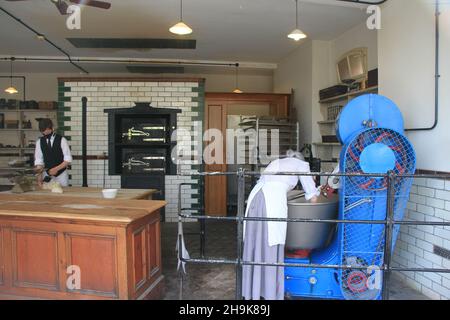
(184, 252)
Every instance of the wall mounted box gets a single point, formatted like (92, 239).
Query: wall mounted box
(372, 78)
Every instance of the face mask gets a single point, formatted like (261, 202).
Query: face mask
(47, 136)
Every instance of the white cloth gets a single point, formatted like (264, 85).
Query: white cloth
(184, 252)
(275, 189)
(63, 178)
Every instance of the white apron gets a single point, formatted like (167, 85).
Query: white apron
(275, 195)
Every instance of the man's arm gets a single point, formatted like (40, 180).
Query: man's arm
(67, 158)
(38, 162)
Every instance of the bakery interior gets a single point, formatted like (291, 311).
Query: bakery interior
(133, 204)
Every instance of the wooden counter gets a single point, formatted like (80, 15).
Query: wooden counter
(115, 243)
(96, 193)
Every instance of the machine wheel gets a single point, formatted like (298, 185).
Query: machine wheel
(357, 282)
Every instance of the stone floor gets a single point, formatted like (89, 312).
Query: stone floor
(217, 282)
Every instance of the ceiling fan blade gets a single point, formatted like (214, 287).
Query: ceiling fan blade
(93, 3)
(61, 6)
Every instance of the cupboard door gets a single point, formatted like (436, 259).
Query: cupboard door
(96, 256)
(35, 259)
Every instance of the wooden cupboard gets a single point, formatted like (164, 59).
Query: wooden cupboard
(115, 244)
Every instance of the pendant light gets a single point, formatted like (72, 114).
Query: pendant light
(181, 28)
(237, 90)
(296, 34)
(11, 89)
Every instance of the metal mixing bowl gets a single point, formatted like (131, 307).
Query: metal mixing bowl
(310, 236)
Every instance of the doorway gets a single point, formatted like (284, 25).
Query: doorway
(225, 111)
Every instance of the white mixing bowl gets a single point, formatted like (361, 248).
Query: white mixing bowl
(109, 193)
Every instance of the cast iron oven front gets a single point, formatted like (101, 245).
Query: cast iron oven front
(140, 146)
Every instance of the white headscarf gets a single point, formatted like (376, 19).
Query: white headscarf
(294, 154)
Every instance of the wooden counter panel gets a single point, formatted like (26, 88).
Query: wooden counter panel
(2, 260)
(139, 250)
(96, 258)
(154, 256)
(146, 258)
(35, 259)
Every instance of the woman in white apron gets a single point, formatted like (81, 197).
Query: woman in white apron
(264, 240)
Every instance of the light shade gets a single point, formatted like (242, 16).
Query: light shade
(237, 90)
(297, 35)
(11, 90)
(181, 28)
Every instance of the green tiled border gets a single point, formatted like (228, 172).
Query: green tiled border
(62, 109)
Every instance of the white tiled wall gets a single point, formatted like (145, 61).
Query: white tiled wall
(429, 201)
(120, 94)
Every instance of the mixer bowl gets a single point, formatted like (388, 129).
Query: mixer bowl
(310, 236)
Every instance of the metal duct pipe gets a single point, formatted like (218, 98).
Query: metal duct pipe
(121, 61)
(84, 139)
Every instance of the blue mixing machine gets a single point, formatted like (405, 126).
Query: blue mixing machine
(371, 130)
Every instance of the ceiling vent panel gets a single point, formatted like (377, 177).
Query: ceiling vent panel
(117, 43)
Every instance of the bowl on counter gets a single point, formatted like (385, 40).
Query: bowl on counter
(110, 193)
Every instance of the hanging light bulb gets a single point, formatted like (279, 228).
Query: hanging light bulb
(11, 89)
(181, 28)
(297, 34)
(237, 90)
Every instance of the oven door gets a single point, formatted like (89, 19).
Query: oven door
(148, 161)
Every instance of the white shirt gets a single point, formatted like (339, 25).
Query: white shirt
(63, 178)
(275, 189)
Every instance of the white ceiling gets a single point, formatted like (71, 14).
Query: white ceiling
(228, 30)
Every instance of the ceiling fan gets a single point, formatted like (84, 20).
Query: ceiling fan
(62, 5)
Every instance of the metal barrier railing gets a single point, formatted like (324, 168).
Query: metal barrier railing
(389, 224)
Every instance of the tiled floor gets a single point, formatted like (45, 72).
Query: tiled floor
(217, 282)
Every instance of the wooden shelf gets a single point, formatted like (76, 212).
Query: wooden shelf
(15, 169)
(16, 148)
(337, 144)
(327, 122)
(347, 95)
(27, 110)
(7, 129)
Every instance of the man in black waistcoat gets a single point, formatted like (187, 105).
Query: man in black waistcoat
(52, 155)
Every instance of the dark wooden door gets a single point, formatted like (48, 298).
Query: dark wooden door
(216, 186)
(216, 117)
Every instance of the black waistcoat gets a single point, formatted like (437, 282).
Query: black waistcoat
(53, 156)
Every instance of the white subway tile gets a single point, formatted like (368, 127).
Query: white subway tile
(426, 191)
(425, 209)
(436, 203)
(445, 195)
(436, 183)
